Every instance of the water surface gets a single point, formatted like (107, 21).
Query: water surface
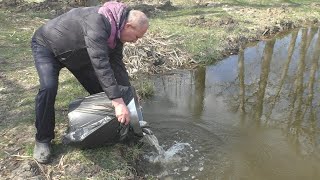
(251, 116)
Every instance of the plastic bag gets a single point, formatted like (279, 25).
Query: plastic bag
(92, 120)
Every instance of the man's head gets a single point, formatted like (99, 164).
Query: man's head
(135, 27)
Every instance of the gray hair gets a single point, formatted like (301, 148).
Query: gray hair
(138, 18)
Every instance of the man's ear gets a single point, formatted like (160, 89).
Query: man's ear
(129, 25)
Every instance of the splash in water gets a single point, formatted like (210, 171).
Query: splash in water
(162, 156)
(174, 154)
(174, 160)
(153, 141)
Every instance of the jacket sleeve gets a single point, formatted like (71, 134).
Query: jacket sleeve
(118, 66)
(96, 31)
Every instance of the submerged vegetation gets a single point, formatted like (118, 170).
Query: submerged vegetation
(183, 33)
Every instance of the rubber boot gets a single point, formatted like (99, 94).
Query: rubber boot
(42, 152)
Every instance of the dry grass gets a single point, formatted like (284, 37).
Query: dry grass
(154, 54)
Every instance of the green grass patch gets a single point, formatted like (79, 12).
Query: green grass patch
(205, 39)
(145, 88)
(201, 40)
(29, 149)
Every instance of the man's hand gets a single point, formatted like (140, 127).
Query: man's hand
(121, 110)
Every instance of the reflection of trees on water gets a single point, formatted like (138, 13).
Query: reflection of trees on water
(265, 69)
(241, 81)
(297, 91)
(295, 116)
(278, 88)
(309, 128)
(289, 98)
(310, 36)
(199, 89)
(284, 73)
(312, 78)
(185, 91)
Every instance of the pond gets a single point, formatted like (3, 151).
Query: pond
(251, 116)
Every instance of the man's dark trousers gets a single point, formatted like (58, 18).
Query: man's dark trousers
(48, 68)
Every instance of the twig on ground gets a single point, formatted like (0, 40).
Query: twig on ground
(61, 163)
(20, 156)
(42, 170)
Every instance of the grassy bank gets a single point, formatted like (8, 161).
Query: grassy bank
(213, 30)
(207, 32)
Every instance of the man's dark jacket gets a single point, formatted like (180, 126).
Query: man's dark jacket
(79, 38)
